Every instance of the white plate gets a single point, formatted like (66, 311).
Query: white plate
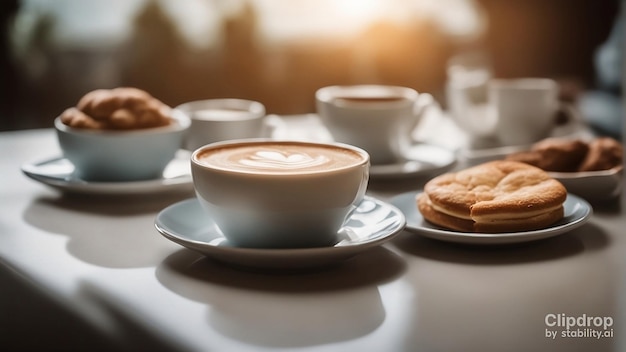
(59, 173)
(421, 159)
(373, 223)
(577, 212)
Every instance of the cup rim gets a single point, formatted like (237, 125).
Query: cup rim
(255, 108)
(182, 123)
(194, 160)
(328, 93)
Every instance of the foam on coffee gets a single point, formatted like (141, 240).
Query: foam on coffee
(371, 99)
(279, 158)
(222, 114)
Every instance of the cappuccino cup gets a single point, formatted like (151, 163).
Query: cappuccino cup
(214, 120)
(524, 110)
(377, 118)
(279, 194)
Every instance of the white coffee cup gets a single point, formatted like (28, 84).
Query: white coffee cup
(377, 118)
(264, 193)
(214, 120)
(522, 111)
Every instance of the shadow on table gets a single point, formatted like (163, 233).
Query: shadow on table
(113, 205)
(498, 298)
(585, 238)
(373, 267)
(286, 309)
(395, 186)
(105, 231)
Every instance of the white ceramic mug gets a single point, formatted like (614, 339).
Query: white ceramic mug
(377, 118)
(214, 120)
(523, 111)
(279, 194)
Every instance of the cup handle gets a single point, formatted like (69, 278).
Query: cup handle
(423, 103)
(567, 114)
(271, 125)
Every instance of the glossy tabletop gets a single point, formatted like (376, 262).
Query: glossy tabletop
(93, 270)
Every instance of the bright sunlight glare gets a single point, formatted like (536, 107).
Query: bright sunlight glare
(359, 12)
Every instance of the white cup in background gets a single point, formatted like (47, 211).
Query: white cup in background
(214, 120)
(377, 118)
(524, 110)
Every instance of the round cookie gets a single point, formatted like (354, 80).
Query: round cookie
(424, 205)
(499, 196)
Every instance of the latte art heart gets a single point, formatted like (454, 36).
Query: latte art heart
(280, 160)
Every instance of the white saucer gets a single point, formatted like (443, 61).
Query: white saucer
(373, 223)
(577, 212)
(421, 159)
(59, 173)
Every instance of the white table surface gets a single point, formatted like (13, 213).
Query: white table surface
(82, 267)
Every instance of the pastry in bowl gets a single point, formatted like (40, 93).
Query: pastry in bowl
(118, 135)
(494, 197)
(592, 169)
(604, 154)
(572, 155)
(123, 108)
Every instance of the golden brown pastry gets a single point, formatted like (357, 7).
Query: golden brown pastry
(554, 154)
(76, 118)
(119, 108)
(604, 154)
(498, 196)
(566, 155)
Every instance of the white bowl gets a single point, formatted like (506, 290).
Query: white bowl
(593, 185)
(129, 155)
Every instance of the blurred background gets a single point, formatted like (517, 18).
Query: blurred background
(280, 51)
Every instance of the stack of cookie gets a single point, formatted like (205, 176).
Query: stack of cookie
(499, 196)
